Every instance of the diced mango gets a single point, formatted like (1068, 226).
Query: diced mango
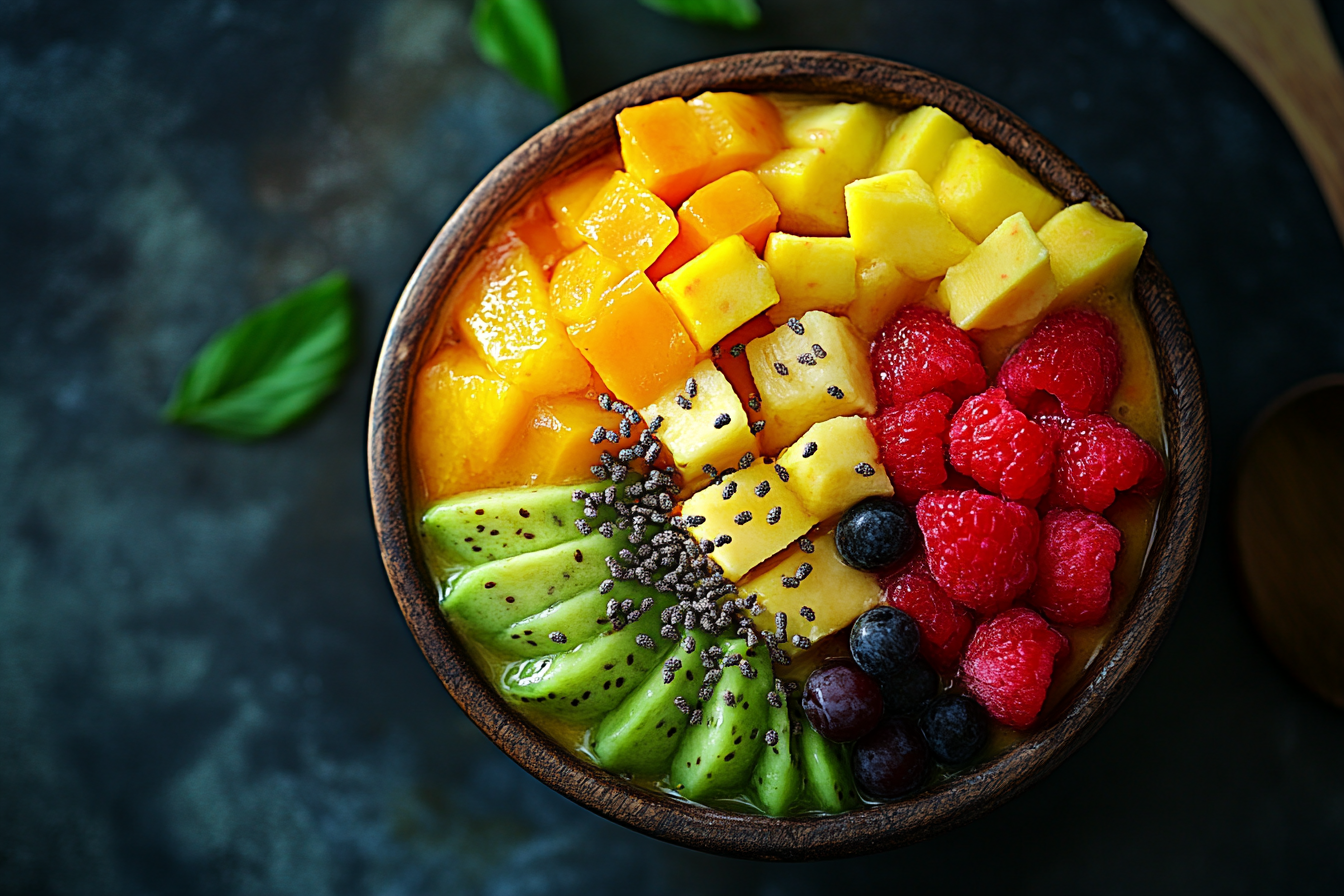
(809, 188)
(1006, 280)
(920, 141)
(507, 319)
(812, 273)
(1089, 250)
(464, 417)
(665, 146)
(735, 203)
(881, 289)
(677, 253)
(979, 187)
(743, 130)
(535, 228)
(635, 341)
(850, 134)
(755, 509)
(709, 427)
(895, 217)
(718, 290)
(835, 465)
(555, 444)
(568, 200)
(795, 394)
(730, 356)
(627, 223)
(579, 282)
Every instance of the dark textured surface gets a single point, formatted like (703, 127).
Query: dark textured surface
(205, 685)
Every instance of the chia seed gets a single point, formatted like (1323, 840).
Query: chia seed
(865, 469)
(721, 421)
(835, 392)
(795, 326)
(781, 369)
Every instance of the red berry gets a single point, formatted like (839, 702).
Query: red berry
(1009, 663)
(943, 623)
(981, 548)
(1073, 356)
(920, 351)
(995, 443)
(913, 442)
(1074, 563)
(1096, 457)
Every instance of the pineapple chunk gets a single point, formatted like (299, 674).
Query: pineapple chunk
(835, 465)
(755, 496)
(812, 273)
(719, 290)
(850, 134)
(627, 223)
(896, 217)
(1006, 280)
(979, 187)
(837, 594)
(809, 188)
(1088, 250)
(920, 142)
(701, 435)
(795, 394)
(880, 291)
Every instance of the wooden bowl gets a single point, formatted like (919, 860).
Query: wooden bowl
(589, 131)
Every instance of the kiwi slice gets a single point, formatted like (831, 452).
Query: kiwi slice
(640, 735)
(778, 777)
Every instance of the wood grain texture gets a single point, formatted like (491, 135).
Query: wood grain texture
(590, 130)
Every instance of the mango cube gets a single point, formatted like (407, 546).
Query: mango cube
(850, 134)
(627, 223)
(1005, 281)
(735, 203)
(809, 187)
(731, 359)
(920, 141)
(895, 217)
(835, 465)
(979, 187)
(718, 290)
(709, 427)
(555, 445)
(810, 273)
(880, 290)
(571, 197)
(755, 509)
(536, 230)
(1089, 250)
(743, 130)
(579, 282)
(800, 386)
(664, 146)
(635, 341)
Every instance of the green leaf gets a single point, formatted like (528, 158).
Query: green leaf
(272, 367)
(516, 35)
(733, 13)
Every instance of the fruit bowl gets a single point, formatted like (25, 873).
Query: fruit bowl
(588, 132)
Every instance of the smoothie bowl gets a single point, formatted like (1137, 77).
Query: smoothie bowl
(789, 455)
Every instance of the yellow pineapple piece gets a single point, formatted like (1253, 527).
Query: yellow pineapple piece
(579, 282)
(628, 223)
(895, 217)
(1089, 250)
(979, 187)
(798, 393)
(812, 273)
(809, 188)
(694, 427)
(920, 142)
(850, 134)
(1006, 280)
(835, 465)
(719, 290)
(881, 289)
(755, 497)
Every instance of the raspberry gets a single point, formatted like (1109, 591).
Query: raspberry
(981, 548)
(1073, 356)
(913, 442)
(1074, 563)
(920, 351)
(1096, 457)
(995, 444)
(1009, 663)
(943, 623)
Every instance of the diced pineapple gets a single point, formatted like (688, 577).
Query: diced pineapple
(731, 359)
(850, 134)
(835, 465)
(743, 130)
(836, 594)
(895, 217)
(809, 188)
(665, 146)
(795, 394)
(709, 427)
(881, 289)
(556, 446)
(979, 187)
(570, 199)
(812, 273)
(579, 282)
(1006, 280)
(755, 498)
(627, 223)
(920, 142)
(735, 203)
(718, 290)
(1089, 250)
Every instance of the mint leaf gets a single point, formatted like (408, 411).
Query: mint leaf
(516, 36)
(272, 367)
(733, 13)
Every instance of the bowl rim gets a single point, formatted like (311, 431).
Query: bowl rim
(584, 133)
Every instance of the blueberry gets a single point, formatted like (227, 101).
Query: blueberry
(910, 688)
(891, 760)
(874, 533)
(956, 728)
(883, 640)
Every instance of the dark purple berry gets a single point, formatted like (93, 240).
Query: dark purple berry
(891, 760)
(842, 701)
(883, 640)
(956, 729)
(910, 688)
(874, 533)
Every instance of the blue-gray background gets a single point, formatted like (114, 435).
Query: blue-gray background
(205, 685)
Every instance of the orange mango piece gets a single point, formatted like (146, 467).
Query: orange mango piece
(536, 229)
(568, 200)
(627, 223)
(635, 341)
(732, 361)
(579, 282)
(735, 203)
(665, 146)
(674, 256)
(555, 445)
(743, 130)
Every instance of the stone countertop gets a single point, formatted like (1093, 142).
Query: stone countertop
(176, 718)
